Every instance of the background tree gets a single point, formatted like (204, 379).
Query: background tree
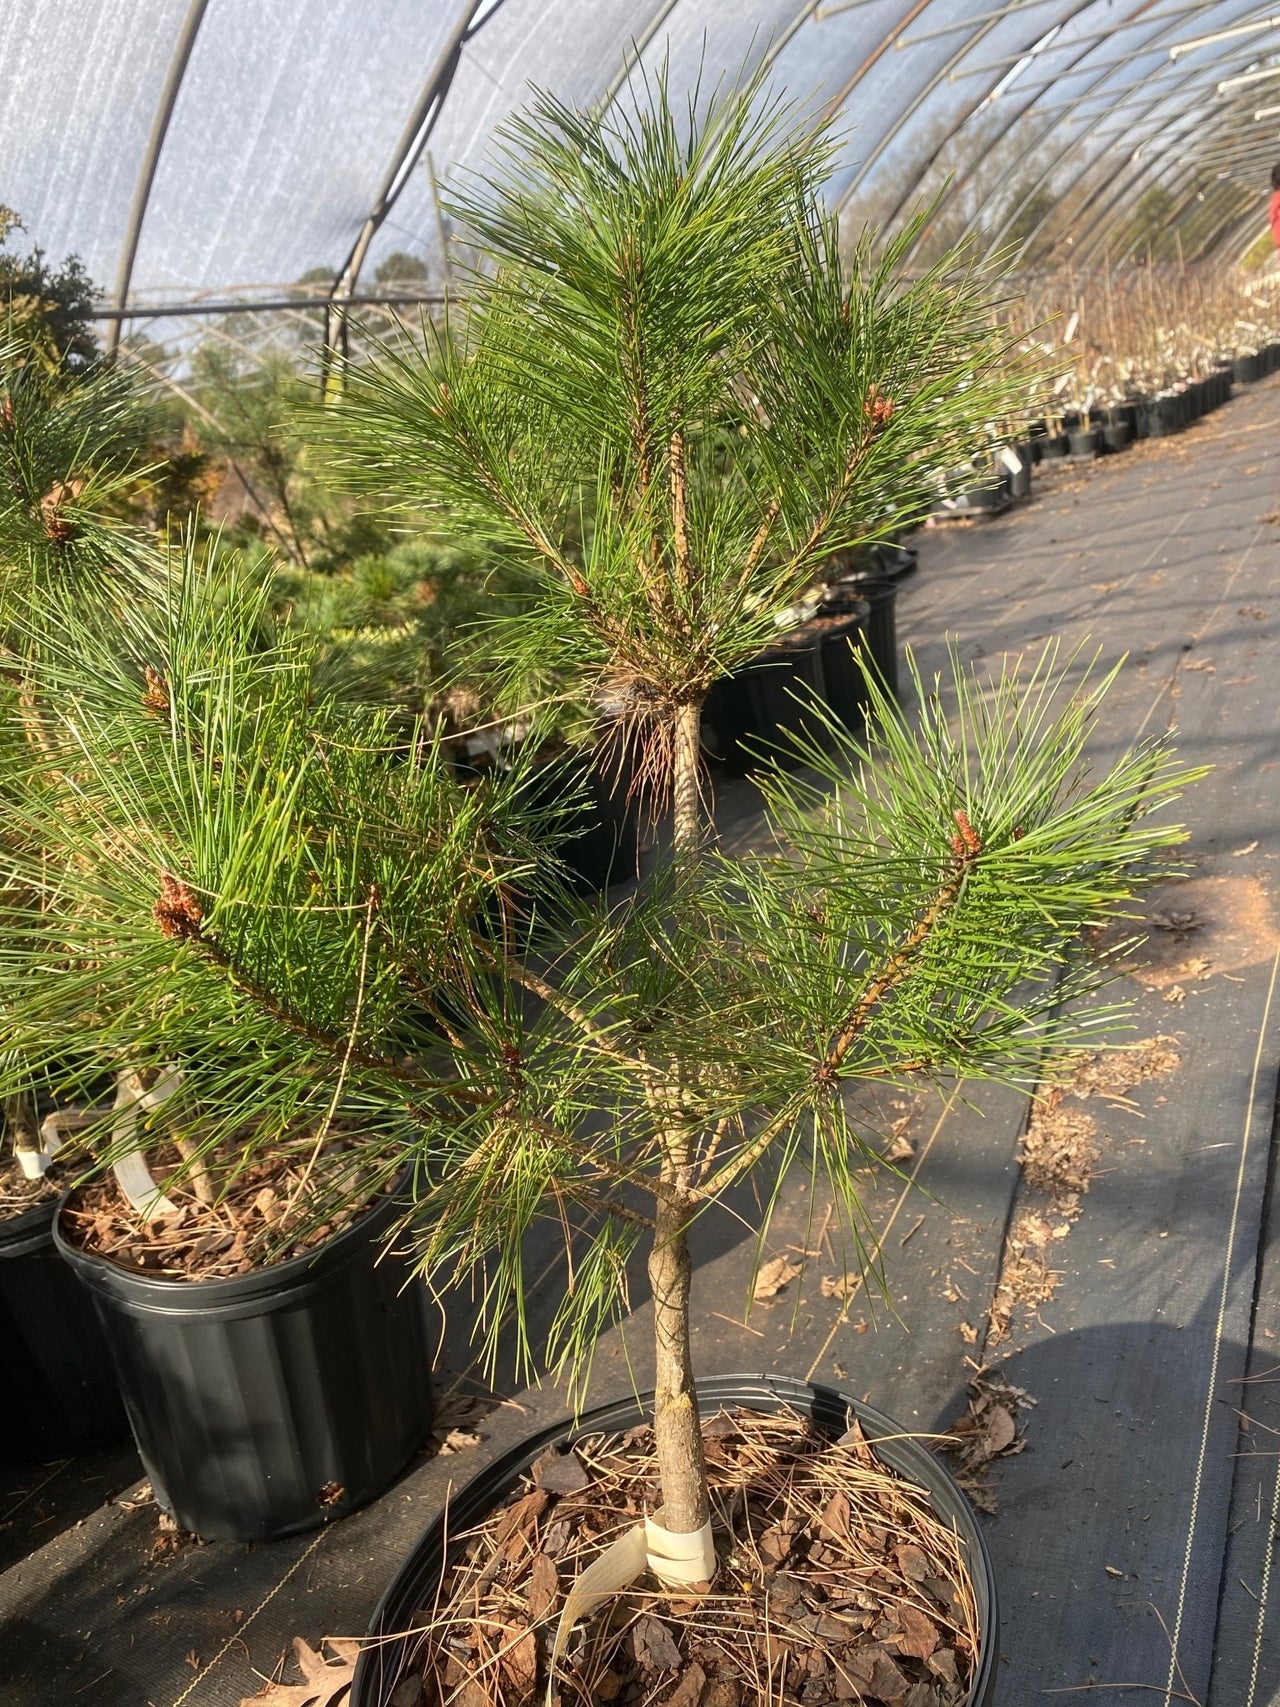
(47, 308)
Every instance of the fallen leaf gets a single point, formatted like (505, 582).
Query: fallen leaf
(968, 1334)
(327, 1681)
(1000, 1431)
(458, 1440)
(1241, 852)
(839, 1286)
(561, 1473)
(773, 1276)
(1113, 1572)
(407, 1693)
(608, 1686)
(1175, 993)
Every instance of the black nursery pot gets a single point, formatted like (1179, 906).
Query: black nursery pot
(880, 624)
(758, 713)
(275, 1401)
(1020, 483)
(842, 674)
(1116, 436)
(596, 826)
(1085, 441)
(1054, 446)
(1245, 370)
(1163, 416)
(60, 1389)
(387, 1659)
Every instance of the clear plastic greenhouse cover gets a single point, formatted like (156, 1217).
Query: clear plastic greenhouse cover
(191, 150)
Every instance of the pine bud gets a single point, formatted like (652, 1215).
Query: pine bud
(156, 698)
(178, 913)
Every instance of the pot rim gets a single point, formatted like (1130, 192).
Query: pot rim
(272, 1282)
(480, 1492)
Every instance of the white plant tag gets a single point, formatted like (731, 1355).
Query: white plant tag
(676, 1560)
(34, 1163)
(1010, 459)
(619, 1565)
(133, 1176)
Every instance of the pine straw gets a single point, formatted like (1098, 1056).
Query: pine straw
(836, 1581)
(262, 1212)
(18, 1193)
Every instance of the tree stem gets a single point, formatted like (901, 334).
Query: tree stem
(686, 795)
(677, 1431)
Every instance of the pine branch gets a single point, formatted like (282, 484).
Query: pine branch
(825, 1073)
(339, 1047)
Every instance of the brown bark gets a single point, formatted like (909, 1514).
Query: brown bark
(677, 1431)
(686, 795)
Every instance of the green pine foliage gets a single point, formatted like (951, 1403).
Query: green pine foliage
(670, 404)
(669, 394)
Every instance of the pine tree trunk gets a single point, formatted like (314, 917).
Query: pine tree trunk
(676, 1426)
(686, 796)
(677, 1430)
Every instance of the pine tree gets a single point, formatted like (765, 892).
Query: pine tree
(674, 402)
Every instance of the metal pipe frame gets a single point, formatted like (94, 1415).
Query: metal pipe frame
(408, 151)
(1093, 36)
(909, 112)
(1036, 109)
(1144, 178)
(962, 179)
(1073, 145)
(1194, 74)
(180, 310)
(151, 156)
(965, 23)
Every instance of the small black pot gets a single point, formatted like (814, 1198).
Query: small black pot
(388, 1654)
(275, 1401)
(1116, 436)
(1126, 414)
(60, 1389)
(894, 561)
(988, 498)
(759, 713)
(880, 622)
(1085, 441)
(1020, 483)
(1054, 447)
(596, 818)
(1163, 416)
(842, 674)
(1245, 370)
